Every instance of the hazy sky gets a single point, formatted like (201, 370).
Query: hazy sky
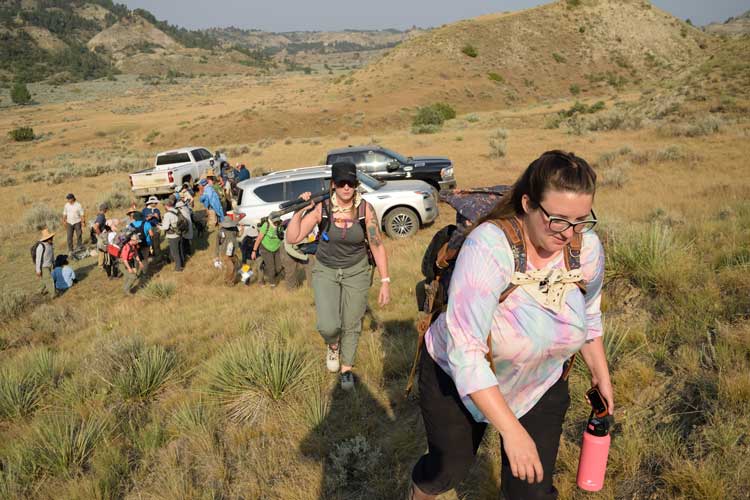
(290, 15)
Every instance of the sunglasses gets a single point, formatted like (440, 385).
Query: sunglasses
(341, 184)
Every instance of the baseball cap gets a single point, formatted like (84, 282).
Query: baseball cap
(344, 171)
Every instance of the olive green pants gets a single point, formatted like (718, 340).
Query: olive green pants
(340, 304)
(46, 283)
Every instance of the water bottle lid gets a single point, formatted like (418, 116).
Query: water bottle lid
(597, 426)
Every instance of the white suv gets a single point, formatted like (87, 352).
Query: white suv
(401, 207)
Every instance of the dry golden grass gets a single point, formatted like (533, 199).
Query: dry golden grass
(677, 331)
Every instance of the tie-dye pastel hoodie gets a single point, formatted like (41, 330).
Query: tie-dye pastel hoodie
(529, 342)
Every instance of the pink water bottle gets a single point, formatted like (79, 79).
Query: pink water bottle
(592, 465)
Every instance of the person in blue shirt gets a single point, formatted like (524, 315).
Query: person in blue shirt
(211, 201)
(152, 215)
(148, 230)
(62, 275)
(243, 173)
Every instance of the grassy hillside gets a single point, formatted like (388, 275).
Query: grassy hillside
(559, 49)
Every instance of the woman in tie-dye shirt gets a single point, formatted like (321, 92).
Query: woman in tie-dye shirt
(532, 335)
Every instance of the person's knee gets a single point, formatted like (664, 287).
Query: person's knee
(435, 473)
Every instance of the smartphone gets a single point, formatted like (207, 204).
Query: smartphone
(598, 404)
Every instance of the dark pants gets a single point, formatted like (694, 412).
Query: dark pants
(271, 265)
(453, 436)
(246, 247)
(79, 240)
(175, 252)
(187, 247)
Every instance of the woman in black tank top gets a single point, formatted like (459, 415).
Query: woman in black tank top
(341, 278)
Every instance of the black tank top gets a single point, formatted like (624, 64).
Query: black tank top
(345, 247)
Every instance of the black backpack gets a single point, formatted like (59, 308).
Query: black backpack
(33, 251)
(183, 225)
(439, 261)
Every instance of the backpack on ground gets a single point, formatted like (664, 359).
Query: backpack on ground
(439, 261)
(325, 225)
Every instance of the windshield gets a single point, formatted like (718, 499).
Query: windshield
(170, 158)
(369, 181)
(399, 157)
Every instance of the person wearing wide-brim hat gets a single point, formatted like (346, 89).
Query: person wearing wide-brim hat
(44, 260)
(226, 248)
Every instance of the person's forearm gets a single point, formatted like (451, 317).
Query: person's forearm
(381, 260)
(293, 228)
(595, 358)
(491, 403)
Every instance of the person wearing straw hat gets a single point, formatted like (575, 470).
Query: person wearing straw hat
(44, 259)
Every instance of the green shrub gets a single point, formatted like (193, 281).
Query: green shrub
(497, 143)
(707, 126)
(425, 129)
(20, 94)
(160, 289)
(24, 383)
(469, 50)
(64, 444)
(137, 372)
(559, 58)
(432, 116)
(246, 376)
(22, 134)
(115, 200)
(40, 216)
(13, 303)
(495, 77)
(575, 89)
(472, 118)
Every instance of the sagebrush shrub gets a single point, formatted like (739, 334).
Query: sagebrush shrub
(469, 50)
(40, 216)
(22, 134)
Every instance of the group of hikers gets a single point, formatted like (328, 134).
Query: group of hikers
(514, 292)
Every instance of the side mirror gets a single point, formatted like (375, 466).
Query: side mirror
(392, 165)
(211, 163)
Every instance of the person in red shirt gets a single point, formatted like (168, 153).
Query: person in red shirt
(132, 262)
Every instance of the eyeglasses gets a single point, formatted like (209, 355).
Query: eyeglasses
(346, 182)
(559, 225)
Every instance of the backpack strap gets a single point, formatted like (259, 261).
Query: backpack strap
(362, 218)
(513, 231)
(325, 218)
(572, 256)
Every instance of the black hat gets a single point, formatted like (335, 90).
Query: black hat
(344, 171)
(70, 196)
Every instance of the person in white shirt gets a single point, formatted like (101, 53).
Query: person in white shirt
(73, 219)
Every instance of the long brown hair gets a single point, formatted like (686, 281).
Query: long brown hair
(555, 170)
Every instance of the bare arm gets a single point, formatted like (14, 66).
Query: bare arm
(300, 226)
(519, 447)
(375, 240)
(595, 358)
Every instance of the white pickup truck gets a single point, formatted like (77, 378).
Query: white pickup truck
(174, 168)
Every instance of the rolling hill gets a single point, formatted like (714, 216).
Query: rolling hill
(545, 52)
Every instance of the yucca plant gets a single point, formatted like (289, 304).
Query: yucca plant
(160, 289)
(247, 375)
(137, 372)
(23, 384)
(64, 444)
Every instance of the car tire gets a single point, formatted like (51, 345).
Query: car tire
(401, 222)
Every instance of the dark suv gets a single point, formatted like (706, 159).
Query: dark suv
(388, 165)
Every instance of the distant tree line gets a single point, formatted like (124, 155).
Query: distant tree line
(187, 38)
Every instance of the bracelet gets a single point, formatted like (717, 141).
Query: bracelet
(385, 280)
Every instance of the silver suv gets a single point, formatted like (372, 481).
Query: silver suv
(401, 207)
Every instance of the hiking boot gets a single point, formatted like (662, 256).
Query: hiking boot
(347, 380)
(332, 358)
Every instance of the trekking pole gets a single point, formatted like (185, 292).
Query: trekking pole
(294, 205)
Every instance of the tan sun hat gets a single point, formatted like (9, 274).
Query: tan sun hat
(46, 235)
(209, 173)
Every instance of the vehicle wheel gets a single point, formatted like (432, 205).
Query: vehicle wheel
(401, 222)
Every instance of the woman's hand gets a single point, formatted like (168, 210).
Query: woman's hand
(522, 455)
(385, 294)
(605, 389)
(306, 196)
